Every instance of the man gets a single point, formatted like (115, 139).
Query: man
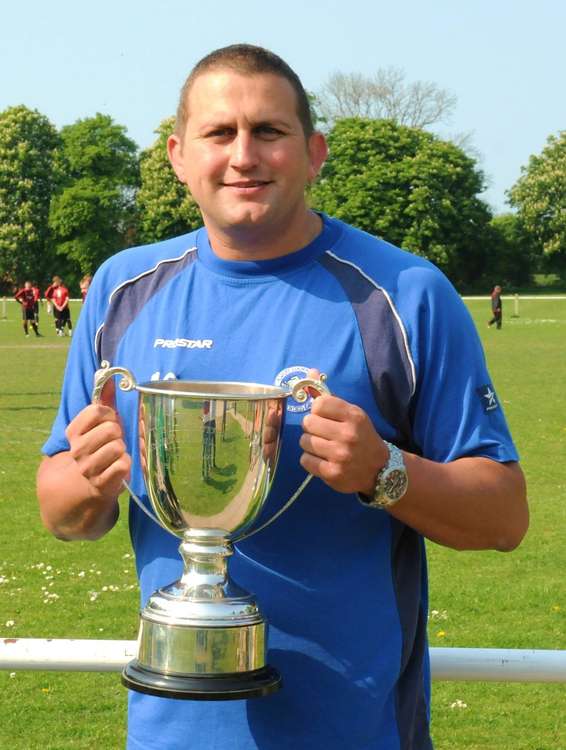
(36, 298)
(276, 289)
(59, 296)
(48, 295)
(496, 307)
(84, 285)
(26, 298)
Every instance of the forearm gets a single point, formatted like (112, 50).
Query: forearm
(470, 503)
(70, 508)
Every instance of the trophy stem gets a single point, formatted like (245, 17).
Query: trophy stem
(205, 557)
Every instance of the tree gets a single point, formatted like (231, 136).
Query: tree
(385, 95)
(92, 213)
(511, 258)
(540, 198)
(27, 144)
(410, 187)
(164, 206)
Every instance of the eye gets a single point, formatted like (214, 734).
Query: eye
(268, 132)
(220, 133)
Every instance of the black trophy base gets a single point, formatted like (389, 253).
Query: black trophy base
(226, 687)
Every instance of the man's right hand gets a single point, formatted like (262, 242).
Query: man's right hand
(78, 489)
(97, 446)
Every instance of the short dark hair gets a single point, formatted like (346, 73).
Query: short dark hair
(251, 60)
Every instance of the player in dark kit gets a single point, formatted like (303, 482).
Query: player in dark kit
(26, 297)
(496, 307)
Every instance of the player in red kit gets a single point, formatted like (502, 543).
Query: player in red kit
(26, 297)
(37, 297)
(60, 300)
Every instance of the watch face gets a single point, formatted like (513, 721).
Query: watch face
(395, 484)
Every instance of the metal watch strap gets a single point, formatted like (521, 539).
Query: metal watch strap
(387, 492)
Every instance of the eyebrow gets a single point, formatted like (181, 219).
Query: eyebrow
(228, 122)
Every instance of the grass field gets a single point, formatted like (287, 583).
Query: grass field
(83, 590)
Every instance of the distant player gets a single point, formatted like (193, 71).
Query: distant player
(37, 297)
(61, 311)
(496, 307)
(84, 285)
(26, 297)
(48, 296)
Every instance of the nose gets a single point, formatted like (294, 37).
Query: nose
(243, 155)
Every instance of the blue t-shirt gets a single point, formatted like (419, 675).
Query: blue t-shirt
(343, 586)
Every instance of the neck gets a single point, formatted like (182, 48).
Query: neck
(264, 243)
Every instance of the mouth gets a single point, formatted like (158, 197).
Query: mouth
(246, 184)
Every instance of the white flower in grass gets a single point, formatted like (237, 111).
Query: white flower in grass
(10, 623)
(438, 614)
(458, 704)
(93, 595)
(12, 675)
(81, 574)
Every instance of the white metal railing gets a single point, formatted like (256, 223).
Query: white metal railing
(450, 664)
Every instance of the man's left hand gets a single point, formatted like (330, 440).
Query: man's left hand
(341, 446)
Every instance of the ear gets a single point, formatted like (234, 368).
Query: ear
(175, 153)
(318, 151)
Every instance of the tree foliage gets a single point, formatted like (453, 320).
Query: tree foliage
(165, 208)
(540, 197)
(92, 212)
(408, 186)
(27, 144)
(384, 96)
(511, 258)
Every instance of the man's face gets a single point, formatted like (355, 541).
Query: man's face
(244, 154)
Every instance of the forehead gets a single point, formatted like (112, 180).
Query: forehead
(221, 93)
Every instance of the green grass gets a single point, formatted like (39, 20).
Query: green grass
(49, 588)
(482, 599)
(517, 600)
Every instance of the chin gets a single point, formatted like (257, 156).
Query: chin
(249, 218)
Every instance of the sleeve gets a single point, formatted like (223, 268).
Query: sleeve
(456, 411)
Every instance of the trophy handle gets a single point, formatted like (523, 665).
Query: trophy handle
(300, 394)
(127, 383)
(102, 376)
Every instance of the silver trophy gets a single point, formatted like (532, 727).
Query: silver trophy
(208, 453)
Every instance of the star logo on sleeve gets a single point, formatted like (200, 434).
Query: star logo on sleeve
(487, 397)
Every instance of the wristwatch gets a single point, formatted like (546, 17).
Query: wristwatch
(391, 482)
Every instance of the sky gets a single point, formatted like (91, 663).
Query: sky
(504, 60)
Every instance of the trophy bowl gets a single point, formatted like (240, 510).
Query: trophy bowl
(208, 453)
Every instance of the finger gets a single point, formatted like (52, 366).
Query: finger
(329, 472)
(332, 407)
(319, 446)
(84, 446)
(90, 417)
(330, 429)
(107, 397)
(94, 465)
(110, 482)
